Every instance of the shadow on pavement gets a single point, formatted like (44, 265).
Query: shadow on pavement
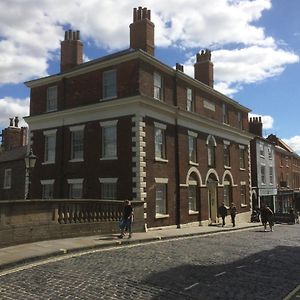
(265, 275)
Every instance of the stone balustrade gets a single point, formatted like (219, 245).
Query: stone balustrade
(32, 220)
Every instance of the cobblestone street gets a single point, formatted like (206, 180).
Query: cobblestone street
(236, 265)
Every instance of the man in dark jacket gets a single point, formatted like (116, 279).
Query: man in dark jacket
(222, 213)
(127, 219)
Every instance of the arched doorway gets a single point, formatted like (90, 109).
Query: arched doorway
(212, 184)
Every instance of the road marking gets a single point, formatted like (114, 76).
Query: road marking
(258, 260)
(292, 293)
(240, 267)
(220, 274)
(191, 286)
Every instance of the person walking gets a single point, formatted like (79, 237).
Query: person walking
(223, 213)
(267, 217)
(232, 210)
(127, 219)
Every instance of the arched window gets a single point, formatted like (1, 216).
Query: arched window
(211, 147)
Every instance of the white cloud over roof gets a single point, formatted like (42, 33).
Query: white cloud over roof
(29, 40)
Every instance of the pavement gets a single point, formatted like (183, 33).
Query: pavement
(30, 252)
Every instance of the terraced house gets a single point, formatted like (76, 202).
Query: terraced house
(127, 126)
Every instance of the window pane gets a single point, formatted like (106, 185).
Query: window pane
(157, 86)
(75, 190)
(242, 159)
(77, 144)
(109, 190)
(192, 192)
(52, 98)
(192, 149)
(109, 84)
(226, 155)
(161, 199)
(50, 148)
(227, 195)
(7, 178)
(189, 99)
(47, 192)
(243, 194)
(160, 143)
(109, 141)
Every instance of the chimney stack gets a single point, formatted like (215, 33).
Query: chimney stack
(255, 126)
(204, 68)
(142, 30)
(71, 50)
(14, 136)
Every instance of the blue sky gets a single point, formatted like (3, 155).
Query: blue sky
(255, 48)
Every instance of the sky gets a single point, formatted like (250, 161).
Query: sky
(255, 48)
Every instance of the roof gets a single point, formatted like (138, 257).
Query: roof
(126, 55)
(13, 154)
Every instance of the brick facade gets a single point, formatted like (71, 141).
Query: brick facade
(136, 168)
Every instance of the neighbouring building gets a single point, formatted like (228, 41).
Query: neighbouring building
(263, 170)
(12, 164)
(288, 176)
(127, 126)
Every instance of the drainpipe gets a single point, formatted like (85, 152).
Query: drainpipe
(177, 171)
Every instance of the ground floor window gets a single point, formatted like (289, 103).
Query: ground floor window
(161, 198)
(108, 188)
(192, 196)
(243, 194)
(47, 191)
(75, 188)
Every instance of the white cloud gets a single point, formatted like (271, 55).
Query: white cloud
(294, 143)
(29, 40)
(10, 108)
(266, 120)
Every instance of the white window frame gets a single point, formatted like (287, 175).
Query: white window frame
(50, 153)
(113, 140)
(160, 141)
(226, 154)
(261, 150)
(271, 174)
(109, 188)
(109, 84)
(7, 182)
(227, 193)
(161, 200)
(192, 197)
(211, 151)
(189, 100)
(48, 183)
(242, 157)
(75, 152)
(243, 188)
(157, 86)
(74, 183)
(225, 118)
(263, 174)
(51, 102)
(192, 145)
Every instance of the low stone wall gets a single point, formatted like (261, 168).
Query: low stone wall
(23, 221)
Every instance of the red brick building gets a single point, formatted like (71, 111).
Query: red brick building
(12, 164)
(288, 175)
(127, 126)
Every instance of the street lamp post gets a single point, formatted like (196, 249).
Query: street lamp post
(30, 160)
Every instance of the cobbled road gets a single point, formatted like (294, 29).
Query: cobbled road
(248, 264)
